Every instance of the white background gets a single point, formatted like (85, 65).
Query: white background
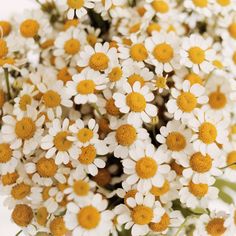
(7, 8)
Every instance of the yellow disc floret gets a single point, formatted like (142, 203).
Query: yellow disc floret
(84, 135)
(126, 135)
(136, 102)
(25, 128)
(130, 193)
(198, 190)
(138, 52)
(5, 28)
(41, 216)
(3, 48)
(87, 155)
(61, 142)
(196, 55)
(200, 3)
(24, 101)
(22, 215)
(215, 227)
(51, 99)
(85, 87)
(142, 215)
(160, 6)
(175, 141)
(207, 133)
(46, 167)
(159, 191)
(29, 28)
(193, 78)
(136, 77)
(64, 75)
(146, 167)
(88, 217)
(20, 191)
(186, 101)
(81, 188)
(115, 74)
(200, 163)
(231, 159)
(217, 100)
(163, 52)
(57, 227)
(162, 225)
(75, 4)
(232, 30)
(223, 3)
(111, 107)
(99, 61)
(5, 152)
(72, 46)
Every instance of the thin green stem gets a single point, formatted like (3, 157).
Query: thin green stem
(181, 227)
(19, 233)
(97, 110)
(222, 168)
(6, 73)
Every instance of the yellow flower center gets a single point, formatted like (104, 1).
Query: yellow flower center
(160, 6)
(163, 52)
(177, 168)
(9, 178)
(159, 191)
(135, 77)
(142, 215)
(198, 190)
(186, 101)
(224, 3)
(193, 78)
(41, 216)
(24, 101)
(2, 98)
(75, 4)
(215, 227)
(85, 135)
(196, 55)
(134, 28)
(130, 193)
(45, 193)
(89, 217)
(153, 27)
(136, 102)
(64, 75)
(92, 39)
(175, 141)
(234, 58)
(138, 52)
(111, 107)
(99, 61)
(115, 74)
(5, 153)
(162, 225)
(22, 215)
(81, 188)
(29, 28)
(57, 227)
(88, 155)
(231, 159)
(200, 3)
(25, 128)
(61, 142)
(200, 163)
(217, 100)
(51, 99)
(72, 46)
(3, 48)
(218, 64)
(47, 44)
(232, 30)
(46, 167)
(6, 28)
(70, 23)
(146, 167)
(160, 82)
(4, 61)
(126, 135)
(20, 191)
(207, 133)
(86, 87)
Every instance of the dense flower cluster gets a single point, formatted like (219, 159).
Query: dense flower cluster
(118, 117)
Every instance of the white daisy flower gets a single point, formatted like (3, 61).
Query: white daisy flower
(145, 167)
(57, 144)
(209, 132)
(84, 85)
(175, 141)
(89, 218)
(100, 58)
(125, 137)
(224, 7)
(197, 195)
(25, 133)
(163, 51)
(159, 83)
(136, 101)
(186, 100)
(196, 53)
(140, 212)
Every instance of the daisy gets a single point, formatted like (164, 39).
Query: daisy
(25, 133)
(159, 83)
(141, 211)
(209, 132)
(135, 100)
(124, 137)
(56, 142)
(100, 58)
(89, 218)
(54, 96)
(229, 53)
(197, 195)
(145, 167)
(196, 53)
(224, 7)
(175, 141)
(163, 51)
(186, 100)
(84, 86)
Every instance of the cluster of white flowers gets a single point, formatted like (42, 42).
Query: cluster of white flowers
(118, 117)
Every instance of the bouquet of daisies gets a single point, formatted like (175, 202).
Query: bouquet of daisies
(118, 117)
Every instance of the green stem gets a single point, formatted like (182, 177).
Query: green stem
(97, 110)
(6, 73)
(19, 233)
(222, 168)
(181, 227)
